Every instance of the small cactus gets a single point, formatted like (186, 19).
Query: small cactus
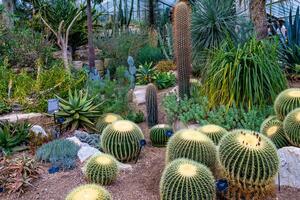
(160, 134)
(214, 132)
(106, 119)
(287, 101)
(101, 169)
(182, 46)
(249, 162)
(122, 140)
(191, 144)
(186, 179)
(291, 126)
(273, 129)
(89, 192)
(151, 105)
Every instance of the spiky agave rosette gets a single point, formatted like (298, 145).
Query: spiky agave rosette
(160, 134)
(186, 179)
(287, 101)
(214, 132)
(122, 140)
(250, 162)
(273, 129)
(78, 111)
(101, 169)
(89, 192)
(291, 126)
(104, 120)
(191, 144)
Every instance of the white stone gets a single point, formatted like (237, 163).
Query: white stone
(289, 166)
(19, 116)
(139, 94)
(75, 140)
(86, 152)
(36, 129)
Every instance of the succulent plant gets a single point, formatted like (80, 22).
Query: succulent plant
(78, 111)
(122, 140)
(61, 153)
(106, 119)
(186, 179)
(291, 126)
(191, 144)
(182, 46)
(214, 132)
(91, 139)
(287, 101)
(89, 192)
(273, 129)
(101, 169)
(249, 162)
(151, 105)
(160, 134)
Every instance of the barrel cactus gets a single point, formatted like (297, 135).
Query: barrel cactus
(101, 169)
(287, 101)
(214, 132)
(106, 119)
(191, 144)
(89, 192)
(273, 129)
(186, 179)
(122, 140)
(182, 46)
(160, 134)
(151, 105)
(250, 162)
(291, 126)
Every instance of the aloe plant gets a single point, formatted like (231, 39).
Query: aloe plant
(78, 111)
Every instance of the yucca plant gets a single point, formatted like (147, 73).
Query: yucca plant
(78, 111)
(145, 74)
(245, 75)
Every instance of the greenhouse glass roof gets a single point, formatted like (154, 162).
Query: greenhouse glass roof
(281, 8)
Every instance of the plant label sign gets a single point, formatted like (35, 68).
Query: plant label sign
(53, 105)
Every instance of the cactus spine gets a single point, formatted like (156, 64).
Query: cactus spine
(250, 163)
(273, 129)
(89, 192)
(182, 46)
(291, 126)
(186, 179)
(151, 105)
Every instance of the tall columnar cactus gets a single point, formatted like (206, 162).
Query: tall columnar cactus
(287, 101)
(273, 129)
(214, 132)
(182, 46)
(250, 162)
(122, 140)
(104, 120)
(160, 134)
(191, 144)
(186, 179)
(89, 192)
(101, 169)
(291, 126)
(151, 105)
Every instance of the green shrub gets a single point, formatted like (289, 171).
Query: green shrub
(165, 66)
(149, 54)
(187, 179)
(135, 116)
(164, 80)
(145, 74)
(246, 75)
(61, 153)
(89, 192)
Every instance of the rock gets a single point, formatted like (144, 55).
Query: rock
(19, 116)
(139, 94)
(289, 166)
(91, 139)
(87, 151)
(77, 141)
(36, 129)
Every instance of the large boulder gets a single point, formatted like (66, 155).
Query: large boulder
(289, 166)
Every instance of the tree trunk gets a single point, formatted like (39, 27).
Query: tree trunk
(9, 9)
(259, 17)
(65, 55)
(151, 14)
(90, 36)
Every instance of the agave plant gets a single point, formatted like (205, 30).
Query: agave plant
(164, 80)
(78, 111)
(145, 73)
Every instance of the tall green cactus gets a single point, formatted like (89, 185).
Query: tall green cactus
(182, 46)
(250, 162)
(151, 105)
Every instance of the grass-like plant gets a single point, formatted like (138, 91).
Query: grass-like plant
(245, 75)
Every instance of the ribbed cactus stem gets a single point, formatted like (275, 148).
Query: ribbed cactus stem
(151, 105)
(182, 46)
